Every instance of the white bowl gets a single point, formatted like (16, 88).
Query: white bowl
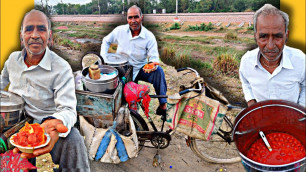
(27, 149)
(150, 70)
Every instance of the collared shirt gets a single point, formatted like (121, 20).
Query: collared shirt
(287, 82)
(138, 48)
(48, 88)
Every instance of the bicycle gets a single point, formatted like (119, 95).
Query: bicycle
(217, 150)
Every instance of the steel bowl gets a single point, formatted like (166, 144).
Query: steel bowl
(107, 86)
(11, 109)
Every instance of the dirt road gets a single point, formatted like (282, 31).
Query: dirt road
(183, 17)
(177, 157)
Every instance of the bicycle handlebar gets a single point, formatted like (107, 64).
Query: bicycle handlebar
(199, 89)
(230, 107)
(181, 69)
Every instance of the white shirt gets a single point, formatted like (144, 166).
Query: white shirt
(138, 48)
(287, 82)
(48, 88)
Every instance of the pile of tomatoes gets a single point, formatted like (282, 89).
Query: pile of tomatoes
(149, 66)
(285, 149)
(30, 135)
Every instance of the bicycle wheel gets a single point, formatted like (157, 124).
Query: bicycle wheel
(140, 125)
(216, 150)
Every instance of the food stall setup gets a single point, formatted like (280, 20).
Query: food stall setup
(110, 136)
(99, 99)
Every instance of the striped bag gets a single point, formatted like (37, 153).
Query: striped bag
(196, 116)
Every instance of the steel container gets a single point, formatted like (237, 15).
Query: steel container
(11, 109)
(118, 61)
(270, 117)
(107, 86)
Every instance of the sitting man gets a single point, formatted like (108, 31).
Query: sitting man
(139, 44)
(45, 82)
(273, 70)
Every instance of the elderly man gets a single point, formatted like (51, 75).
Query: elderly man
(46, 83)
(139, 44)
(273, 70)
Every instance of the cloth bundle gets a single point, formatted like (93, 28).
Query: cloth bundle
(196, 115)
(107, 145)
(134, 93)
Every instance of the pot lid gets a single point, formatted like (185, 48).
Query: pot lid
(10, 102)
(90, 59)
(113, 58)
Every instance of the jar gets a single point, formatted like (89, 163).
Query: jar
(94, 72)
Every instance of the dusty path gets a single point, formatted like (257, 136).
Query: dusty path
(190, 17)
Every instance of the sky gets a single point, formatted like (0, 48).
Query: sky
(54, 2)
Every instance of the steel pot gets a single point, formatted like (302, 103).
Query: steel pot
(270, 116)
(11, 109)
(118, 61)
(102, 86)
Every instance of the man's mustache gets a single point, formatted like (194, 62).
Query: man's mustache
(37, 41)
(276, 50)
(134, 23)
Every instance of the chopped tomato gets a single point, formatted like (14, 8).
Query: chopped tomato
(149, 66)
(285, 149)
(30, 135)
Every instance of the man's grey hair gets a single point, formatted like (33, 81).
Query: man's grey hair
(269, 9)
(135, 6)
(34, 10)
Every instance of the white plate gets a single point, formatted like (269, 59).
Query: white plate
(28, 149)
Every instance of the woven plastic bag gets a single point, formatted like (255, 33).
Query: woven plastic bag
(106, 141)
(196, 115)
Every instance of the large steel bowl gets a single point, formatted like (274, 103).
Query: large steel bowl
(11, 109)
(270, 117)
(107, 86)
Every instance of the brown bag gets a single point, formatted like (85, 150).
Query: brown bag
(196, 115)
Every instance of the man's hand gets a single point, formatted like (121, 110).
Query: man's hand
(155, 67)
(251, 102)
(53, 127)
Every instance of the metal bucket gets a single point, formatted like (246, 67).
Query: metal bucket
(270, 116)
(11, 109)
(107, 86)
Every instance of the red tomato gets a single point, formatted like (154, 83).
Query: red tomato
(286, 149)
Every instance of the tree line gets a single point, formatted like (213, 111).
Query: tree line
(147, 6)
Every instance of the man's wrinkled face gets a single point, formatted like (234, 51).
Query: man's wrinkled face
(35, 33)
(271, 36)
(134, 19)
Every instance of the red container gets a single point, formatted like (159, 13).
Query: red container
(270, 117)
